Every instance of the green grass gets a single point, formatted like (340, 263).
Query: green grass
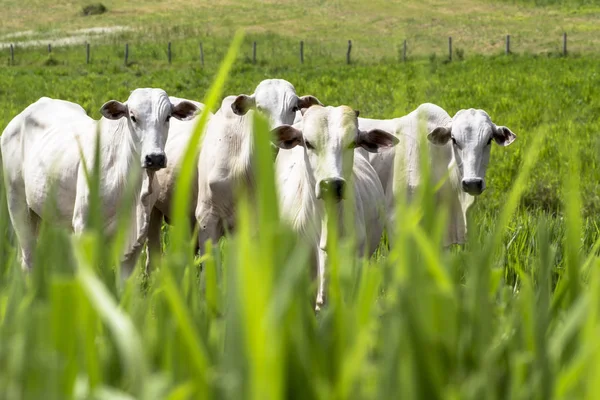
(512, 315)
(376, 27)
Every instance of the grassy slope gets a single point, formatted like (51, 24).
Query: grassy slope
(377, 27)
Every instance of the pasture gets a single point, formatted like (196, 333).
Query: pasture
(512, 315)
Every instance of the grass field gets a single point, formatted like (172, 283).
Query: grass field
(377, 27)
(512, 315)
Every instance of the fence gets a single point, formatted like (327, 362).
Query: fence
(404, 51)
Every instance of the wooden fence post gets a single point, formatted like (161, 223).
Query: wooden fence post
(12, 54)
(49, 48)
(301, 52)
(126, 53)
(404, 51)
(254, 53)
(87, 53)
(507, 44)
(450, 48)
(349, 50)
(201, 55)
(565, 44)
(169, 52)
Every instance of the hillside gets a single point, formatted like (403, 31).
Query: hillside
(376, 27)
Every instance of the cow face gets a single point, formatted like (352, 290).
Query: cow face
(471, 134)
(148, 112)
(276, 99)
(329, 136)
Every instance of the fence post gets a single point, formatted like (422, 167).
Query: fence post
(450, 48)
(201, 55)
(126, 53)
(565, 44)
(12, 54)
(349, 50)
(404, 51)
(302, 52)
(169, 52)
(254, 53)
(49, 48)
(87, 53)
(507, 44)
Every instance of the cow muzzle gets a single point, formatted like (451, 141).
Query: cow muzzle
(473, 186)
(333, 187)
(155, 161)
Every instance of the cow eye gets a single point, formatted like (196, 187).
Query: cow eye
(489, 142)
(308, 145)
(453, 140)
(295, 109)
(133, 119)
(168, 118)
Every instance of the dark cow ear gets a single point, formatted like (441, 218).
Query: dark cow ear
(375, 140)
(440, 135)
(242, 104)
(504, 136)
(184, 110)
(308, 101)
(287, 137)
(113, 110)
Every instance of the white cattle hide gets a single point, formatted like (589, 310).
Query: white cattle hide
(319, 160)
(42, 160)
(458, 153)
(225, 161)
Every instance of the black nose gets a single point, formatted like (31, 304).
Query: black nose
(155, 161)
(333, 187)
(473, 186)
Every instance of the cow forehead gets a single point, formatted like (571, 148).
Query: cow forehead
(149, 101)
(274, 91)
(326, 124)
(471, 122)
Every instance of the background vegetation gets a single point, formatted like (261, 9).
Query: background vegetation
(512, 315)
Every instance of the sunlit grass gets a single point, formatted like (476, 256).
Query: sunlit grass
(512, 315)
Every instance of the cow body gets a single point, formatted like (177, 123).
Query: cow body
(225, 161)
(458, 154)
(318, 161)
(47, 148)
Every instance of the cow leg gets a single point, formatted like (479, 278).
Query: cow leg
(24, 221)
(208, 227)
(321, 262)
(154, 246)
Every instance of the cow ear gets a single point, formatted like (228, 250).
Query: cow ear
(287, 137)
(440, 135)
(375, 140)
(113, 110)
(242, 104)
(184, 110)
(504, 136)
(308, 101)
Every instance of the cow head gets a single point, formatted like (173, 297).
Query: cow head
(329, 136)
(148, 112)
(276, 99)
(471, 133)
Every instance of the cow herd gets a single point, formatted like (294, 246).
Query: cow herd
(49, 149)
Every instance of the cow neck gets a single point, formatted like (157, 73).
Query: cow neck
(119, 149)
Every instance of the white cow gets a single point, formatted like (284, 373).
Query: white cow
(320, 160)
(459, 152)
(225, 161)
(42, 149)
(180, 133)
